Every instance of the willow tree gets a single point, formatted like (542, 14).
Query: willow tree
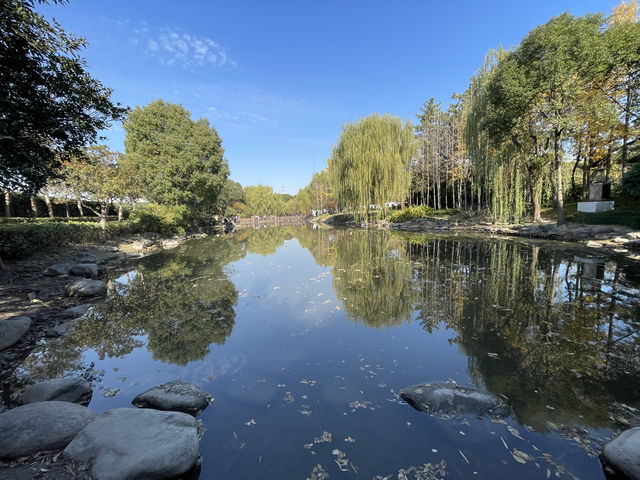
(370, 163)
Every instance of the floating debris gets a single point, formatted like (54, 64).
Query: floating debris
(288, 398)
(318, 473)
(111, 392)
(350, 439)
(462, 454)
(250, 422)
(311, 383)
(326, 437)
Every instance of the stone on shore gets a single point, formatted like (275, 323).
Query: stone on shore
(85, 257)
(86, 288)
(622, 454)
(40, 426)
(75, 390)
(174, 396)
(128, 443)
(449, 397)
(12, 330)
(88, 270)
(57, 270)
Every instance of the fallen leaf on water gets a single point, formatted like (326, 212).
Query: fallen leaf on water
(111, 392)
(514, 431)
(520, 456)
(465, 458)
(250, 422)
(350, 439)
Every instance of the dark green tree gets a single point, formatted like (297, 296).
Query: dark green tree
(50, 106)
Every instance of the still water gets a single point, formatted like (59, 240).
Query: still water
(305, 336)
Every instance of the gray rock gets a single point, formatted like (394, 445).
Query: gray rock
(85, 257)
(75, 390)
(174, 396)
(449, 397)
(170, 243)
(57, 269)
(12, 330)
(622, 454)
(599, 229)
(128, 443)
(111, 249)
(40, 426)
(89, 270)
(75, 312)
(86, 288)
(633, 235)
(148, 243)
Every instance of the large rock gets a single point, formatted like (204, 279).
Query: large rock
(12, 330)
(622, 454)
(40, 426)
(75, 390)
(449, 397)
(57, 269)
(85, 257)
(128, 443)
(77, 311)
(89, 270)
(174, 396)
(86, 288)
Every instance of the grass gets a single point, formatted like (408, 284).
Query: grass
(420, 211)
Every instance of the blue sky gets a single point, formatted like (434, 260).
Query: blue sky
(278, 79)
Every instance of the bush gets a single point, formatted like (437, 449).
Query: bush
(419, 211)
(54, 219)
(167, 219)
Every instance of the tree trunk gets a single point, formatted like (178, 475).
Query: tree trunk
(559, 194)
(104, 211)
(66, 208)
(7, 203)
(536, 192)
(34, 205)
(47, 201)
(79, 203)
(120, 211)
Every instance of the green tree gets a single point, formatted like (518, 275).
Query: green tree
(50, 106)
(370, 163)
(261, 200)
(179, 161)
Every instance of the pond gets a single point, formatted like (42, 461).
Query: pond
(305, 336)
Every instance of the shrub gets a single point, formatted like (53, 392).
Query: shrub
(419, 211)
(630, 184)
(167, 219)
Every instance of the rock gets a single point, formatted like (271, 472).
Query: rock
(622, 454)
(602, 236)
(89, 270)
(170, 243)
(148, 243)
(111, 249)
(75, 390)
(40, 426)
(76, 312)
(128, 443)
(86, 288)
(594, 244)
(599, 229)
(449, 397)
(174, 396)
(57, 269)
(12, 330)
(85, 257)
(633, 235)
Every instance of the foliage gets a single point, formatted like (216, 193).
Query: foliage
(370, 163)
(420, 211)
(630, 184)
(167, 219)
(22, 239)
(50, 107)
(178, 161)
(231, 194)
(625, 213)
(261, 200)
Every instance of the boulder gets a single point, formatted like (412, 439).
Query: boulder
(148, 243)
(75, 390)
(111, 249)
(12, 330)
(85, 257)
(449, 397)
(174, 396)
(76, 312)
(89, 270)
(86, 288)
(57, 269)
(622, 454)
(128, 443)
(40, 426)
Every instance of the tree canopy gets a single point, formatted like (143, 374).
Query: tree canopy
(179, 161)
(50, 106)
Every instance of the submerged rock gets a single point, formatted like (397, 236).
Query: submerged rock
(40, 426)
(85, 257)
(89, 270)
(12, 330)
(129, 443)
(86, 288)
(77, 311)
(75, 390)
(174, 396)
(449, 397)
(57, 269)
(622, 454)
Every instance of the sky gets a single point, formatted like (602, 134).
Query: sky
(278, 79)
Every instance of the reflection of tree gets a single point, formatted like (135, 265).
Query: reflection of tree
(548, 320)
(265, 241)
(373, 278)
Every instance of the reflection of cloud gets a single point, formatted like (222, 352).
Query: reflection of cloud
(240, 116)
(171, 47)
